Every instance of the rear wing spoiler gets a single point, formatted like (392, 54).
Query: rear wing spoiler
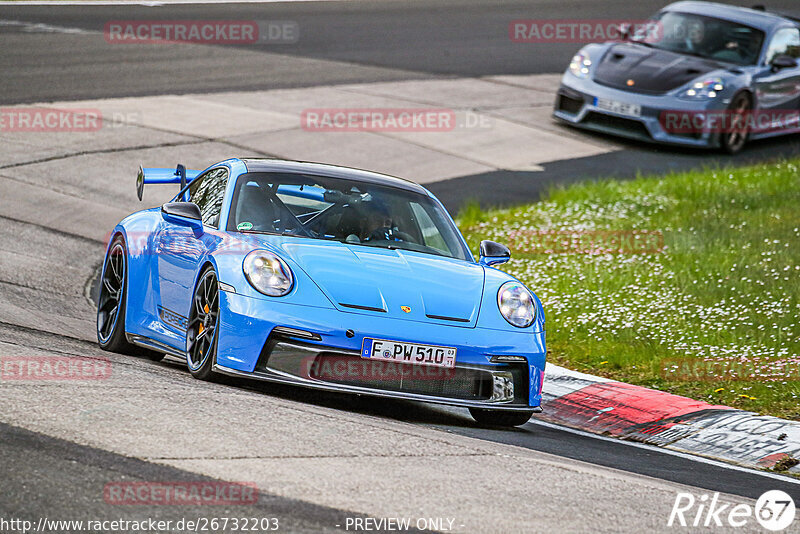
(163, 176)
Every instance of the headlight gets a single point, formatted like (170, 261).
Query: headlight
(579, 66)
(516, 304)
(268, 273)
(704, 89)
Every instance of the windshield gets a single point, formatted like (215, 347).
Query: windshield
(704, 37)
(348, 211)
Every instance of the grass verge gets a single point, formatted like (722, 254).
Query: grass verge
(687, 283)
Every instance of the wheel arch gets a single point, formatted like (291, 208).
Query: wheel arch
(137, 230)
(117, 232)
(204, 371)
(750, 95)
(115, 340)
(203, 267)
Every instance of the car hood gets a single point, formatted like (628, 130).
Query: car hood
(382, 282)
(651, 71)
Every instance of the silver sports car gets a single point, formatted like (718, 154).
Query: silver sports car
(698, 74)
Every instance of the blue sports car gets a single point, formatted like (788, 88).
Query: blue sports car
(699, 74)
(326, 277)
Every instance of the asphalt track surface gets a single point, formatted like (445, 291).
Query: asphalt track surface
(341, 43)
(358, 41)
(386, 40)
(55, 478)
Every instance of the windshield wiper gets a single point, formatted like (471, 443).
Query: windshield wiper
(643, 43)
(370, 244)
(267, 232)
(693, 54)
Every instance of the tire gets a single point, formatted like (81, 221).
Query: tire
(504, 418)
(733, 141)
(201, 350)
(112, 302)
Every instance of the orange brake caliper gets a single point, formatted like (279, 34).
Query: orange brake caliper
(200, 330)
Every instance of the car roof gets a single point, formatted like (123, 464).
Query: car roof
(332, 171)
(755, 18)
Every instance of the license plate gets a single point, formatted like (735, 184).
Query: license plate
(621, 108)
(401, 352)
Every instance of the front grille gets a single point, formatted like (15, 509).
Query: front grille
(613, 122)
(638, 88)
(568, 104)
(307, 361)
(458, 383)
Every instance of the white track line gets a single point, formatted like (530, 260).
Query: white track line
(38, 27)
(652, 448)
(154, 3)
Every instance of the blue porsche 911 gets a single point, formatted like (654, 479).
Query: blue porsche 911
(699, 74)
(326, 277)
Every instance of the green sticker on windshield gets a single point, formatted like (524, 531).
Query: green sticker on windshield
(244, 226)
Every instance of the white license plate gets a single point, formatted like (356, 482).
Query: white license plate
(401, 352)
(621, 108)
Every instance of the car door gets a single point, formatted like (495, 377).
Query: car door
(180, 248)
(779, 89)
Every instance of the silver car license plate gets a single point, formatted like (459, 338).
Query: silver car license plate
(620, 108)
(414, 353)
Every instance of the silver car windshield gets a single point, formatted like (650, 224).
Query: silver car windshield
(349, 211)
(702, 36)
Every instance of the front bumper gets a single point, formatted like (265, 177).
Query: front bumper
(321, 348)
(576, 105)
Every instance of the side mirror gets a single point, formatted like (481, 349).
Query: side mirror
(783, 62)
(493, 253)
(140, 183)
(183, 213)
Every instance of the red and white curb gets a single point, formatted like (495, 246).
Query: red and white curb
(621, 410)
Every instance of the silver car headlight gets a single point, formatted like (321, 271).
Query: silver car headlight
(516, 304)
(268, 273)
(706, 89)
(579, 66)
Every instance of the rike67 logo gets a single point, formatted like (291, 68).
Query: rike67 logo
(774, 511)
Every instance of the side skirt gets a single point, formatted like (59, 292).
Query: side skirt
(157, 346)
